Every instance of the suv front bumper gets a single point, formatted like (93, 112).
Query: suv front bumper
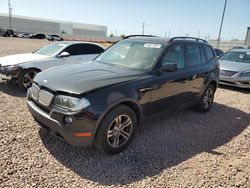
(53, 122)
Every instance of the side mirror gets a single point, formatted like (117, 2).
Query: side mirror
(168, 67)
(64, 54)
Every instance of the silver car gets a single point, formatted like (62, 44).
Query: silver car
(235, 68)
(23, 67)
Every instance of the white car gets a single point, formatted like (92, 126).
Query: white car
(23, 35)
(23, 67)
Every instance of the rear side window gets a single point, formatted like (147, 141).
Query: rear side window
(73, 49)
(209, 53)
(90, 49)
(193, 54)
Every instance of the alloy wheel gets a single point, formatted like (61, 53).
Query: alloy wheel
(28, 79)
(119, 131)
(208, 98)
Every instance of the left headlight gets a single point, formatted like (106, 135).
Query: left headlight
(245, 73)
(71, 103)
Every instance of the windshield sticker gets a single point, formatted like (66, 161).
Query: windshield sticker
(241, 56)
(248, 53)
(147, 45)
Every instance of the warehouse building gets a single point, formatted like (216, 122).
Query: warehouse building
(35, 25)
(247, 40)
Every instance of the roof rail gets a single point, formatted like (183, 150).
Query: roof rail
(129, 36)
(197, 39)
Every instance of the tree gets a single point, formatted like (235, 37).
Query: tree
(123, 36)
(63, 32)
(111, 35)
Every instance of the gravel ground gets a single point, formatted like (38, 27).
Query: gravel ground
(178, 149)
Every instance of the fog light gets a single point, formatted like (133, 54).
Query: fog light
(68, 120)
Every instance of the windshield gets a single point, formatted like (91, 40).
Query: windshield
(50, 49)
(242, 57)
(132, 54)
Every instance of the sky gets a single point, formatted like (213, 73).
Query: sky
(162, 17)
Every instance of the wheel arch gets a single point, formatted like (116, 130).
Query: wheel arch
(127, 102)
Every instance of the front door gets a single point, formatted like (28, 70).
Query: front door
(171, 89)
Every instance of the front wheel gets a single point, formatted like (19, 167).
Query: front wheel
(26, 77)
(206, 100)
(116, 130)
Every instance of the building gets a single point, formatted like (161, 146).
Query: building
(247, 40)
(35, 25)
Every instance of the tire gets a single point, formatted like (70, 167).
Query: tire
(52, 39)
(26, 77)
(119, 136)
(206, 100)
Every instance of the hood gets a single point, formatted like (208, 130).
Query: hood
(20, 58)
(84, 77)
(233, 65)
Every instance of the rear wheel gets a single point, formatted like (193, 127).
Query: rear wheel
(26, 77)
(206, 100)
(116, 130)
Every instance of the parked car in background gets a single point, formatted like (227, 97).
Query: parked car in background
(24, 35)
(24, 67)
(38, 36)
(218, 52)
(235, 68)
(8, 32)
(54, 38)
(102, 102)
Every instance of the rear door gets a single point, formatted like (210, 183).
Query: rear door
(171, 90)
(198, 65)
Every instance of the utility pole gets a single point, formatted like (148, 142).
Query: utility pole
(10, 14)
(222, 19)
(199, 34)
(143, 27)
(169, 33)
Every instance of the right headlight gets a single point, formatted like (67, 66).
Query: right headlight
(71, 103)
(245, 73)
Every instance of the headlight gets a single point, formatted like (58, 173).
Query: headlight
(71, 103)
(245, 73)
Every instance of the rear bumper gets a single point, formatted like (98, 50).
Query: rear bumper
(235, 81)
(58, 129)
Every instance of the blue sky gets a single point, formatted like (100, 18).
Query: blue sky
(126, 17)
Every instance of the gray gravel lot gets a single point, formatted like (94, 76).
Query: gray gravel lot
(178, 149)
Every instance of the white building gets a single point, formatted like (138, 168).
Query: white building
(40, 25)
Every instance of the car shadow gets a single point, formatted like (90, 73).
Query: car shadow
(11, 88)
(237, 89)
(164, 141)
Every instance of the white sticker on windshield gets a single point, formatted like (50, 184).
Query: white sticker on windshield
(248, 53)
(241, 56)
(147, 45)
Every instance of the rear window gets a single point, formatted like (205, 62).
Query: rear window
(209, 53)
(193, 54)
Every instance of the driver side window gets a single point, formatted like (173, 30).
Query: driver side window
(174, 55)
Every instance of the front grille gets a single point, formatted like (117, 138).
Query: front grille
(227, 73)
(41, 96)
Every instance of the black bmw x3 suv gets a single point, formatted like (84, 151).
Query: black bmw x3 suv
(102, 102)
